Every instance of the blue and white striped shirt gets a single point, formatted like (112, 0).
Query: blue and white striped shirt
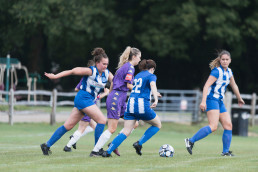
(218, 88)
(95, 83)
(140, 95)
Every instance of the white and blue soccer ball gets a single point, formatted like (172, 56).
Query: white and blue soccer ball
(166, 151)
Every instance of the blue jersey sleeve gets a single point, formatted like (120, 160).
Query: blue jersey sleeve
(153, 78)
(215, 73)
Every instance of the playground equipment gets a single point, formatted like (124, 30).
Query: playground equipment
(11, 65)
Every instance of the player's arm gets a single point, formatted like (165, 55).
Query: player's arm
(154, 91)
(104, 94)
(236, 91)
(74, 71)
(208, 83)
(110, 79)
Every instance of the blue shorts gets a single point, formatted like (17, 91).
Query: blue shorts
(148, 115)
(213, 104)
(83, 99)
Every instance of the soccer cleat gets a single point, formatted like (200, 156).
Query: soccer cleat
(67, 149)
(97, 154)
(189, 145)
(46, 150)
(138, 148)
(115, 151)
(74, 145)
(229, 153)
(106, 154)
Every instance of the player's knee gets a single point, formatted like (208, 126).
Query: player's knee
(68, 127)
(112, 129)
(227, 126)
(213, 128)
(102, 121)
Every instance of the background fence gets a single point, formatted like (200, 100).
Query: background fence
(178, 101)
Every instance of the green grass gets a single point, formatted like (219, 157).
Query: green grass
(20, 151)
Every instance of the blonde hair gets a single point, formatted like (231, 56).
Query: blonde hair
(215, 63)
(127, 55)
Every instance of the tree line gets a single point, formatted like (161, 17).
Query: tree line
(182, 36)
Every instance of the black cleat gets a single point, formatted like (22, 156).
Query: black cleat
(138, 148)
(106, 154)
(229, 153)
(74, 145)
(46, 150)
(97, 154)
(67, 149)
(189, 145)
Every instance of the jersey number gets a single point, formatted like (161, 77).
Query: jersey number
(137, 85)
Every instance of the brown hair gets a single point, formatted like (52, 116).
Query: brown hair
(127, 55)
(98, 54)
(215, 63)
(90, 63)
(147, 64)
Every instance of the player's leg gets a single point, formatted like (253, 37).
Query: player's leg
(84, 122)
(105, 136)
(128, 126)
(213, 118)
(226, 123)
(73, 119)
(95, 113)
(149, 133)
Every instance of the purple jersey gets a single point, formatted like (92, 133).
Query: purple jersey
(123, 76)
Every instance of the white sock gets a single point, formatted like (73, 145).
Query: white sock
(105, 136)
(87, 130)
(74, 139)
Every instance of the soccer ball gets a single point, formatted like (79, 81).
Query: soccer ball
(166, 151)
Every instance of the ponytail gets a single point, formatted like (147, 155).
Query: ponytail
(124, 57)
(214, 63)
(127, 55)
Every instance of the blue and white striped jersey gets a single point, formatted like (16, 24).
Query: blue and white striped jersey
(95, 83)
(140, 95)
(218, 88)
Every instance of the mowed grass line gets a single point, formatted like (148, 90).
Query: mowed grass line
(20, 151)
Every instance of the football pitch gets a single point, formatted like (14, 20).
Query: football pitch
(20, 151)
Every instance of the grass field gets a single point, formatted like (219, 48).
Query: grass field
(20, 151)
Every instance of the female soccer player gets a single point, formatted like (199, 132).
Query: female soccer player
(139, 108)
(116, 100)
(94, 81)
(86, 124)
(212, 101)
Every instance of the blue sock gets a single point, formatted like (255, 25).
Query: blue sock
(203, 132)
(226, 140)
(151, 131)
(116, 142)
(56, 136)
(98, 131)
